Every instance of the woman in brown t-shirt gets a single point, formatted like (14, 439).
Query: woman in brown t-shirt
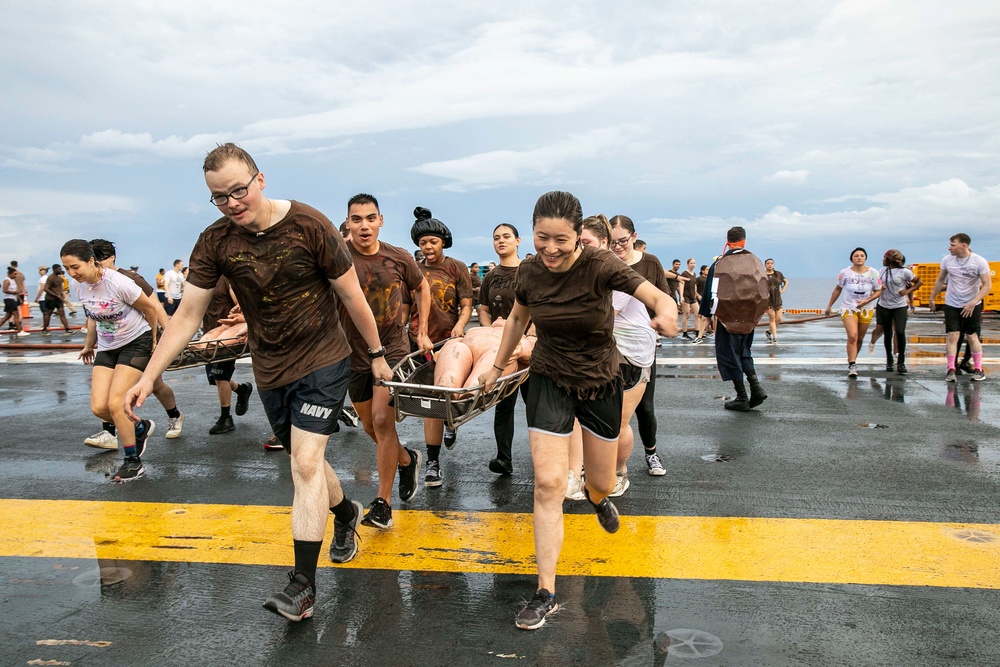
(451, 309)
(565, 291)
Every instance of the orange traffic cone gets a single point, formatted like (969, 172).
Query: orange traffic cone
(25, 310)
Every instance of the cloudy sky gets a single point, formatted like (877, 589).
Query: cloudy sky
(819, 126)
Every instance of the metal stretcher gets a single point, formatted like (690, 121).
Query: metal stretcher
(414, 393)
(210, 352)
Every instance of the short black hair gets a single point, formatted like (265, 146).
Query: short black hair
(363, 198)
(736, 234)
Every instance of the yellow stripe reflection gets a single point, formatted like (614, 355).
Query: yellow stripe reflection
(802, 550)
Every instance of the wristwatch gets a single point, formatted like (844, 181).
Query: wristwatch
(377, 353)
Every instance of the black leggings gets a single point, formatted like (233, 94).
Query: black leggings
(889, 318)
(503, 423)
(644, 412)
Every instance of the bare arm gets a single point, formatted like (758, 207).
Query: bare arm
(87, 354)
(665, 321)
(513, 329)
(147, 307)
(784, 285)
(914, 286)
(176, 336)
(423, 297)
(349, 292)
(938, 286)
(985, 285)
(833, 298)
(485, 319)
(464, 315)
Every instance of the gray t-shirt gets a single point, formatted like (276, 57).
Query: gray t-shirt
(963, 278)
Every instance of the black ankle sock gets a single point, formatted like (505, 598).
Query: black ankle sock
(225, 411)
(344, 511)
(650, 452)
(306, 557)
(173, 413)
(433, 452)
(109, 427)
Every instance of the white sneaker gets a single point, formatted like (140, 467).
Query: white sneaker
(574, 488)
(174, 427)
(22, 334)
(621, 483)
(653, 465)
(871, 349)
(102, 440)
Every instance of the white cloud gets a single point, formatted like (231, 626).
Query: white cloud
(797, 177)
(508, 167)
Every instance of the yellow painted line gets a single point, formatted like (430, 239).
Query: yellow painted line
(727, 548)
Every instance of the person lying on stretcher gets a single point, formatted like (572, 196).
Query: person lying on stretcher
(461, 361)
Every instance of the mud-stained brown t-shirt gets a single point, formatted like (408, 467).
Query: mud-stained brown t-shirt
(281, 278)
(218, 307)
(450, 282)
(574, 318)
(497, 291)
(649, 267)
(146, 288)
(385, 277)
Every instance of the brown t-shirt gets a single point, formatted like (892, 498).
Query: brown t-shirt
(574, 318)
(497, 291)
(385, 277)
(281, 277)
(146, 288)
(450, 283)
(218, 307)
(690, 287)
(649, 267)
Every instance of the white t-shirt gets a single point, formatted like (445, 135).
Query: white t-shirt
(856, 288)
(634, 336)
(41, 287)
(109, 303)
(173, 280)
(894, 281)
(963, 278)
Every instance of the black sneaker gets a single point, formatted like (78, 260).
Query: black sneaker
(379, 515)
(966, 367)
(141, 440)
(901, 368)
(224, 425)
(131, 470)
(349, 416)
(345, 536)
(409, 477)
(450, 436)
(890, 367)
(432, 477)
(243, 393)
(607, 513)
(542, 605)
(501, 467)
(296, 601)
(685, 336)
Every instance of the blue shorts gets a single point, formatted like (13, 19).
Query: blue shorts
(311, 403)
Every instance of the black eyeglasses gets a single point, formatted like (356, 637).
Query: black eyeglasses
(238, 193)
(620, 243)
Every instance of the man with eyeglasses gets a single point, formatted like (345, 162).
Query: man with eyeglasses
(289, 269)
(173, 281)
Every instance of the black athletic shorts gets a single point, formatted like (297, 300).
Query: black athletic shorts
(9, 306)
(221, 371)
(631, 375)
(361, 388)
(311, 403)
(135, 354)
(53, 304)
(953, 320)
(551, 410)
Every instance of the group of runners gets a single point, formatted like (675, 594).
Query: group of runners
(329, 314)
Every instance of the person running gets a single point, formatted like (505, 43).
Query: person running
(636, 342)
(385, 273)
(220, 373)
(450, 311)
(121, 323)
(622, 243)
(689, 300)
(105, 254)
(12, 302)
(43, 277)
(289, 268)
(54, 300)
(565, 289)
(704, 323)
(173, 284)
(777, 283)
(496, 299)
(892, 308)
(968, 278)
(860, 285)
